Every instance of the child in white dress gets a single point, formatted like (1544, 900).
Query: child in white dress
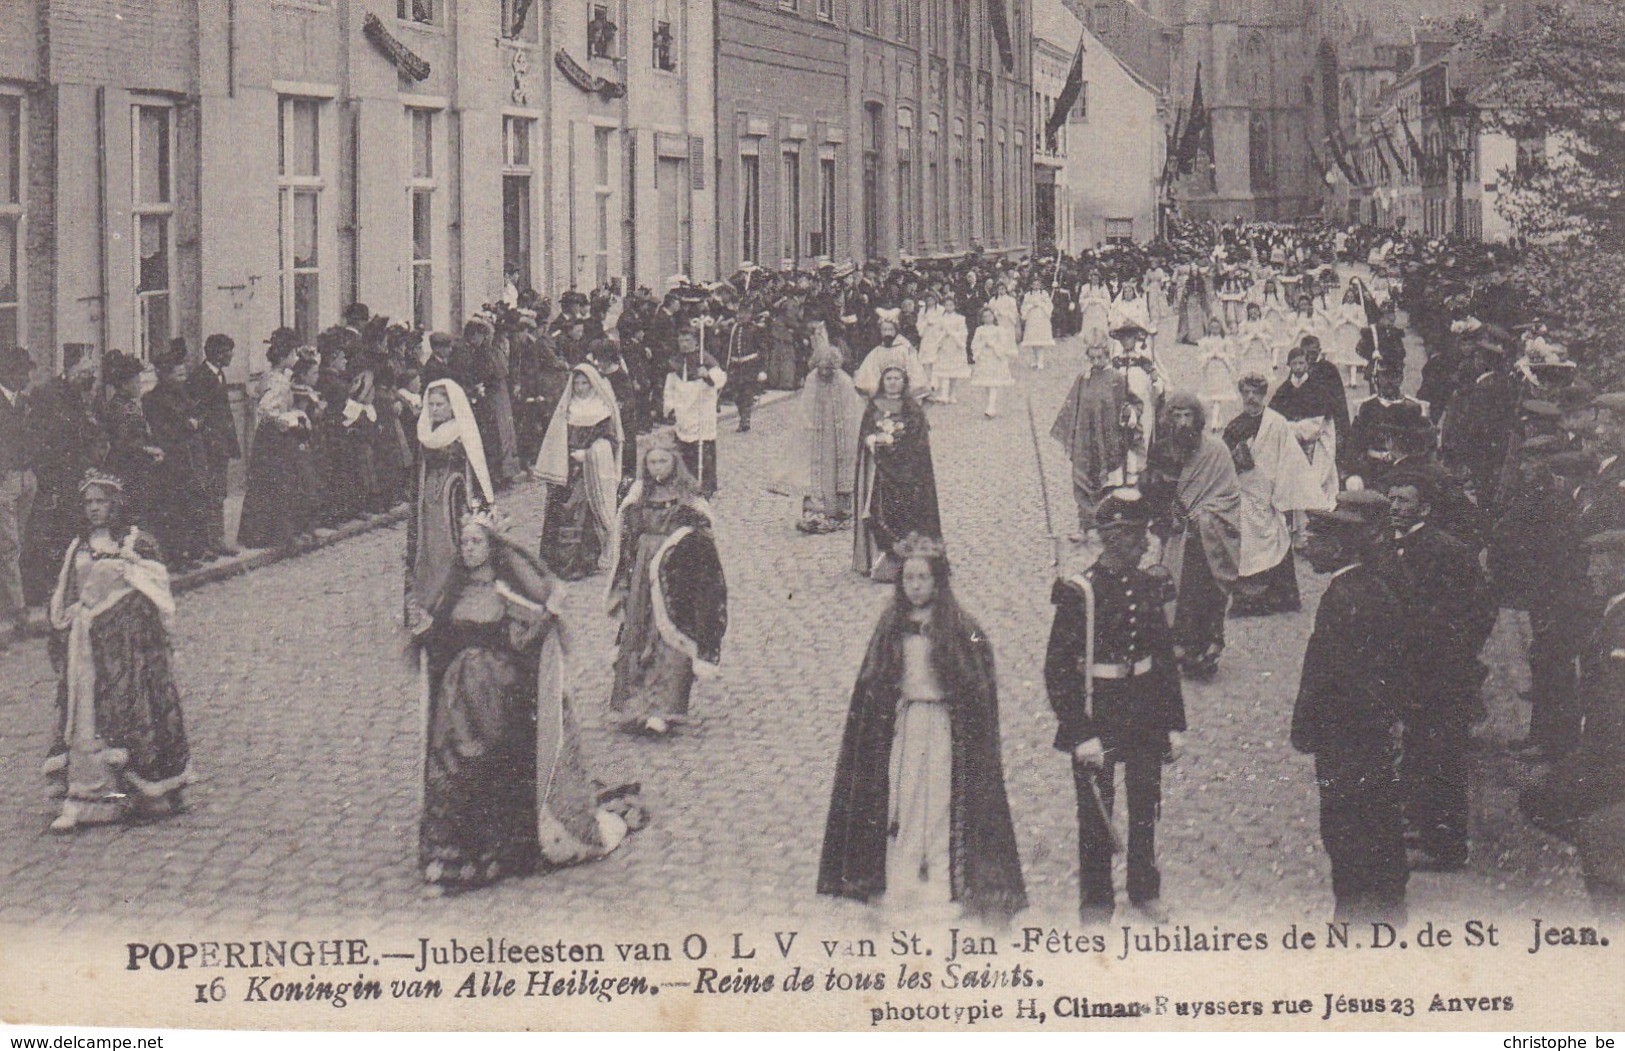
(992, 350)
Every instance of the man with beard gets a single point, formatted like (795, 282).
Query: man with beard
(217, 433)
(1192, 483)
(892, 351)
(1276, 479)
(1347, 713)
(68, 442)
(1450, 615)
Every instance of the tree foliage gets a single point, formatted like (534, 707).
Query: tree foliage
(1559, 79)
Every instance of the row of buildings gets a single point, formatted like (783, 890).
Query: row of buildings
(233, 166)
(196, 166)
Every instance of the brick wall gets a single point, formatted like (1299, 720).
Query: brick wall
(146, 44)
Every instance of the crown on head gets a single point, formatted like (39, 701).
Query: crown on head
(97, 478)
(488, 518)
(918, 545)
(662, 438)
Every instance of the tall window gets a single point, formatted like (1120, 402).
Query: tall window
(826, 10)
(299, 193)
(790, 226)
(516, 199)
(665, 40)
(520, 19)
(603, 194)
(11, 220)
(420, 187)
(824, 237)
(871, 15)
(601, 33)
(900, 18)
(629, 207)
(933, 187)
(153, 214)
(423, 12)
(1003, 210)
(750, 208)
(872, 240)
(905, 181)
(960, 191)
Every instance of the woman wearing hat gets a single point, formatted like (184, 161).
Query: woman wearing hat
(279, 505)
(131, 453)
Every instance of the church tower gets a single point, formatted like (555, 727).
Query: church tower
(1261, 87)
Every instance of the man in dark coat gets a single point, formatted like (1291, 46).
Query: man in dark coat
(1450, 615)
(1114, 684)
(1583, 800)
(175, 504)
(17, 482)
(1365, 455)
(1382, 345)
(1536, 564)
(211, 404)
(68, 440)
(1348, 714)
(1479, 419)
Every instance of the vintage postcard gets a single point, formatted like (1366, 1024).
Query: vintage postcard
(965, 515)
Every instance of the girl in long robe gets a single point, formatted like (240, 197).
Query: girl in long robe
(991, 351)
(1036, 331)
(505, 789)
(669, 592)
(580, 462)
(896, 491)
(279, 505)
(953, 346)
(120, 750)
(919, 812)
(452, 479)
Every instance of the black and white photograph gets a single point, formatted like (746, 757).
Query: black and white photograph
(890, 515)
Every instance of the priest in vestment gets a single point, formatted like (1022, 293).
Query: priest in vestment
(1276, 477)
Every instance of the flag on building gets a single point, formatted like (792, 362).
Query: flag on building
(1422, 158)
(1000, 20)
(1067, 98)
(1341, 159)
(1386, 135)
(1198, 130)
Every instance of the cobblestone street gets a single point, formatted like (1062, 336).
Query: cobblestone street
(305, 725)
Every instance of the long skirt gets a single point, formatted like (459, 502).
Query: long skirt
(479, 803)
(1271, 591)
(917, 853)
(572, 537)
(280, 502)
(652, 677)
(1199, 618)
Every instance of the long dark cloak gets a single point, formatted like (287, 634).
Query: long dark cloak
(985, 867)
(896, 485)
(1090, 426)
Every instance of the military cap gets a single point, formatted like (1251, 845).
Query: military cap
(283, 339)
(1541, 407)
(1576, 396)
(15, 361)
(1122, 507)
(1613, 401)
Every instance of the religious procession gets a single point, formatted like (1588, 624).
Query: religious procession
(1286, 531)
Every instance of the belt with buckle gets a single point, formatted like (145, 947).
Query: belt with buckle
(1121, 671)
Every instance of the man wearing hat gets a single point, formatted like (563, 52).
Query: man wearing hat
(1114, 685)
(1348, 710)
(67, 441)
(217, 431)
(1382, 345)
(174, 487)
(17, 482)
(1481, 416)
(1583, 800)
(1450, 615)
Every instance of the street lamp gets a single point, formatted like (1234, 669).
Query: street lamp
(1461, 125)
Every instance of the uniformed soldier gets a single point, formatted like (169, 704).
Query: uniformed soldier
(1450, 615)
(1583, 801)
(1114, 684)
(1603, 501)
(1348, 712)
